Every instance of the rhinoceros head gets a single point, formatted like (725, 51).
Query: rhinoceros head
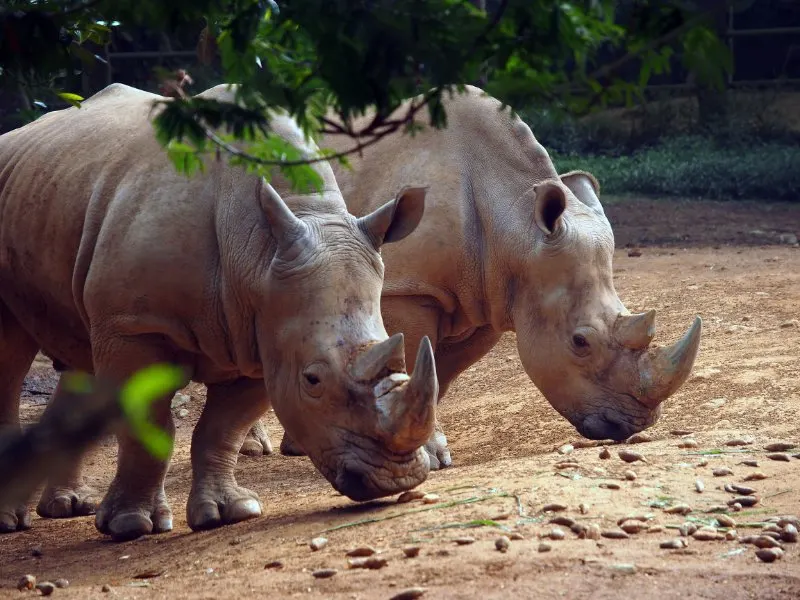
(339, 383)
(588, 355)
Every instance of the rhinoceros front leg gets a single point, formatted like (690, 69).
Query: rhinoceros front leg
(216, 498)
(135, 504)
(68, 495)
(257, 442)
(17, 351)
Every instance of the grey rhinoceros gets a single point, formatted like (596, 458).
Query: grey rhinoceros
(110, 260)
(509, 245)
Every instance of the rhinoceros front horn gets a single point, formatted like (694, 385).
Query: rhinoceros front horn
(663, 370)
(407, 413)
(388, 354)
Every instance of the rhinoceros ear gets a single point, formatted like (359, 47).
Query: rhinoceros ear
(284, 225)
(585, 187)
(396, 219)
(549, 204)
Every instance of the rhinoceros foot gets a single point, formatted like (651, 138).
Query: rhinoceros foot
(14, 519)
(257, 442)
(215, 504)
(64, 502)
(437, 450)
(125, 518)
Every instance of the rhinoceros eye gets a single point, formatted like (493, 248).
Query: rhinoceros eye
(312, 379)
(580, 343)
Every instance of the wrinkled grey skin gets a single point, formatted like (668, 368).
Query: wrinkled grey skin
(508, 244)
(110, 261)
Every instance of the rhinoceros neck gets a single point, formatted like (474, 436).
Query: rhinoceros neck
(476, 223)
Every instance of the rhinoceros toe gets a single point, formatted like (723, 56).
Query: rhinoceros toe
(64, 503)
(123, 521)
(213, 508)
(14, 519)
(257, 442)
(438, 452)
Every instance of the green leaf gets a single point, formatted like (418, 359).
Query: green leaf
(138, 395)
(73, 99)
(185, 158)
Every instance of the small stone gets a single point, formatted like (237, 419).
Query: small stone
(36, 552)
(687, 529)
(318, 543)
(516, 536)
(781, 456)
(614, 534)
(635, 517)
(633, 526)
(28, 582)
(779, 446)
(655, 529)
(742, 489)
(749, 463)
(46, 588)
(789, 534)
(274, 564)
(409, 594)
(739, 442)
(545, 547)
(567, 465)
(179, 400)
(703, 462)
(587, 443)
(790, 324)
(736, 507)
(629, 456)
(744, 501)
(183, 413)
(411, 551)
(579, 529)
(769, 555)
(563, 520)
(593, 532)
(324, 573)
(625, 569)
(673, 544)
(707, 534)
(681, 432)
(678, 509)
(502, 543)
(639, 438)
(604, 453)
(361, 551)
(725, 521)
(554, 507)
(367, 562)
(796, 455)
(61, 583)
(771, 528)
(584, 508)
(630, 475)
(688, 443)
(464, 541)
(633, 253)
(721, 472)
(610, 485)
(699, 486)
(430, 498)
(566, 449)
(756, 476)
(731, 535)
(556, 534)
(765, 541)
(410, 496)
(106, 588)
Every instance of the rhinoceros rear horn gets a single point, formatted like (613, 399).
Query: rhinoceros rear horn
(284, 225)
(389, 354)
(636, 331)
(408, 412)
(663, 370)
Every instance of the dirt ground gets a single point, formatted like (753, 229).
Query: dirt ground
(722, 261)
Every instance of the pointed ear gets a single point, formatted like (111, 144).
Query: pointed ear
(396, 219)
(550, 201)
(283, 224)
(585, 187)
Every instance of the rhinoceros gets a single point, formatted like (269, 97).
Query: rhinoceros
(110, 260)
(509, 245)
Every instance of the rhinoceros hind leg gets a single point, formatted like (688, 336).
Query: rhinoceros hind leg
(216, 498)
(17, 351)
(437, 450)
(289, 447)
(135, 504)
(257, 442)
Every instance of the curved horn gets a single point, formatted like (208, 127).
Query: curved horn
(389, 353)
(283, 224)
(408, 413)
(636, 331)
(663, 370)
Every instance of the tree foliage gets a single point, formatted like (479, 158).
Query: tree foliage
(326, 62)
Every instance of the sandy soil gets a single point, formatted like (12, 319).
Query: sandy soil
(504, 438)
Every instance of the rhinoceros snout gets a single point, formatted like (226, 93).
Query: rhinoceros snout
(606, 427)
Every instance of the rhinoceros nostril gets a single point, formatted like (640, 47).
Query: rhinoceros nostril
(355, 485)
(602, 427)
